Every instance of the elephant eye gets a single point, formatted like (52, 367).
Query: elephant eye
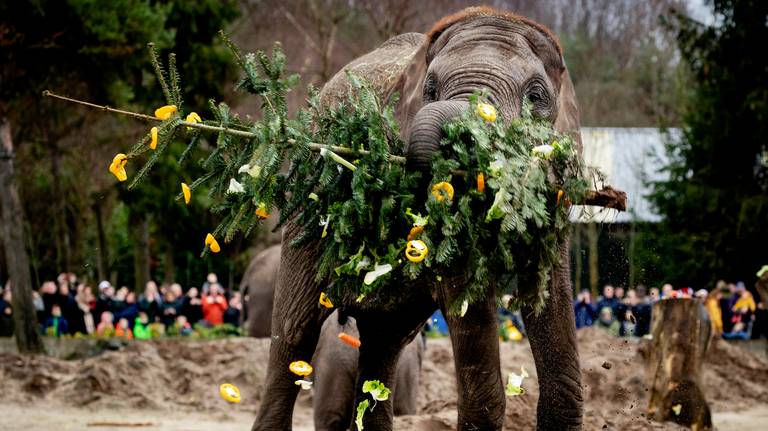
(539, 99)
(430, 88)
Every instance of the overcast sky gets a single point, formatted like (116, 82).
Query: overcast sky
(700, 11)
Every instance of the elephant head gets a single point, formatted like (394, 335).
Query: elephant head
(510, 57)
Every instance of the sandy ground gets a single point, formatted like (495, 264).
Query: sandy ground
(173, 385)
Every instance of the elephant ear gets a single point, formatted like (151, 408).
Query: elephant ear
(410, 88)
(567, 120)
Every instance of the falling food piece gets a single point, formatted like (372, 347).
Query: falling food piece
(187, 193)
(325, 301)
(377, 389)
(117, 167)
(487, 112)
(230, 393)
(464, 308)
(349, 340)
(153, 136)
(515, 383)
(677, 408)
(361, 408)
(165, 112)
(300, 368)
(416, 250)
(305, 384)
(442, 190)
(211, 243)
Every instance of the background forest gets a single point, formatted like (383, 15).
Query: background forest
(633, 63)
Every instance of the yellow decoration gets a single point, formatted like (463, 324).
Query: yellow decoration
(262, 211)
(300, 368)
(441, 190)
(211, 243)
(117, 167)
(415, 231)
(480, 182)
(187, 193)
(193, 118)
(165, 112)
(325, 301)
(153, 134)
(487, 112)
(416, 250)
(230, 393)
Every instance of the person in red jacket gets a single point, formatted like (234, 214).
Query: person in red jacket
(214, 305)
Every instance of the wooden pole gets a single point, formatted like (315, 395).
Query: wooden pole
(681, 333)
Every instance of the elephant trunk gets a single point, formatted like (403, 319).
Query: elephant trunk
(427, 130)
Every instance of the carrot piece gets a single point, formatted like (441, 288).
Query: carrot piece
(348, 339)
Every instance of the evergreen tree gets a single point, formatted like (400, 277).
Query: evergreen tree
(715, 203)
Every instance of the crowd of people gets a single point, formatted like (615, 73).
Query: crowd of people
(68, 307)
(730, 307)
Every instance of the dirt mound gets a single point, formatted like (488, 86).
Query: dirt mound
(185, 375)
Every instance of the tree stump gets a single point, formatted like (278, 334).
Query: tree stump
(681, 332)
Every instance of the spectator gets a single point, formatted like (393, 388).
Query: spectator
(210, 280)
(6, 313)
(106, 326)
(149, 301)
(130, 310)
(642, 312)
(123, 329)
(37, 300)
(607, 322)
(607, 300)
(654, 295)
(712, 304)
(620, 310)
(743, 310)
(49, 294)
(104, 299)
(214, 306)
(232, 315)
(586, 311)
(666, 291)
(56, 325)
(170, 308)
(84, 321)
(141, 330)
(182, 326)
(192, 306)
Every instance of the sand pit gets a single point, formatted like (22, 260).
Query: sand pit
(173, 385)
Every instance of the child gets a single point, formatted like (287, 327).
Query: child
(106, 328)
(56, 325)
(123, 330)
(141, 330)
(183, 327)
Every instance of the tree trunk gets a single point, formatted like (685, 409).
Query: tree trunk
(102, 257)
(28, 338)
(579, 263)
(141, 262)
(681, 331)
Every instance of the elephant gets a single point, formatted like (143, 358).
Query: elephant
(336, 373)
(336, 363)
(513, 59)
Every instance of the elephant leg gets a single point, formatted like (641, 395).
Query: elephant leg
(383, 335)
(552, 335)
(475, 339)
(296, 323)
